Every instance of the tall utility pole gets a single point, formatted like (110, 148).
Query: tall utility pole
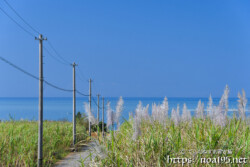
(98, 108)
(40, 119)
(90, 106)
(74, 105)
(102, 116)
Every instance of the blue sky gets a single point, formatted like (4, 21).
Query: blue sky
(130, 48)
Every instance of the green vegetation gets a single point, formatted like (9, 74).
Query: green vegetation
(18, 142)
(82, 119)
(157, 142)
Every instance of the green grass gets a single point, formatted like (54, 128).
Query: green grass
(18, 142)
(157, 142)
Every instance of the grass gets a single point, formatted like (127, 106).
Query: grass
(158, 143)
(18, 142)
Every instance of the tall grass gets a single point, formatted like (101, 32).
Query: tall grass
(18, 142)
(158, 141)
(153, 140)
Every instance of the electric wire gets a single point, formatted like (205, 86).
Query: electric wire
(56, 87)
(61, 60)
(18, 68)
(19, 25)
(35, 77)
(96, 103)
(81, 93)
(56, 52)
(21, 17)
(80, 77)
(55, 58)
(81, 73)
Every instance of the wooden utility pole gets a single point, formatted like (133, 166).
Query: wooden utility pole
(102, 116)
(40, 117)
(90, 106)
(98, 108)
(74, 105)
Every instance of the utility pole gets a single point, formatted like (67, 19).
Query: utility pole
(74, 105)
(40, 117)
(90, 106)
(103, 117)
(98, 108)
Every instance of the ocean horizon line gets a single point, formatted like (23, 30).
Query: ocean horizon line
(158, 97)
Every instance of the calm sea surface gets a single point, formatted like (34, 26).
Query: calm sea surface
(61, 108)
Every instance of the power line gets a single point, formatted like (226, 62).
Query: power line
(96, 87)
(56, 87)
(55, 58)
(81, 93)
(21, 17)
(63, 59)
(96, 103)
(81, 76)
(18, 68)
(59, 58)
(80, 71)
(19, 25)
(35, 77)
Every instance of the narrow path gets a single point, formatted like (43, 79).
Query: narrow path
(84, 156)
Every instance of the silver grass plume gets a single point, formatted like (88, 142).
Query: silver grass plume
(242, 102)
(154, 112)
(178, 111)
(142, 112)
(219, 112)
(110, 116)
(136, 127)
(226, 93)
(145, 114)
(165, 107)
(160, 112)
(244, 99)
(219, 118)
(89, 113)
(210, 107)
(186, 115)
(175, 115)
(138, 110)
(200, 110)
(224, 100)
(119, 109)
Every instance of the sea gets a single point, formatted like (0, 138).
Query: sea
(60, 108)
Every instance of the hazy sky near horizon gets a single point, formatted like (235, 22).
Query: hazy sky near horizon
(130, 48)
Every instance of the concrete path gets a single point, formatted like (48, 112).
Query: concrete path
(85, 156)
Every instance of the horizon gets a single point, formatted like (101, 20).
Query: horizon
(78, 97)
